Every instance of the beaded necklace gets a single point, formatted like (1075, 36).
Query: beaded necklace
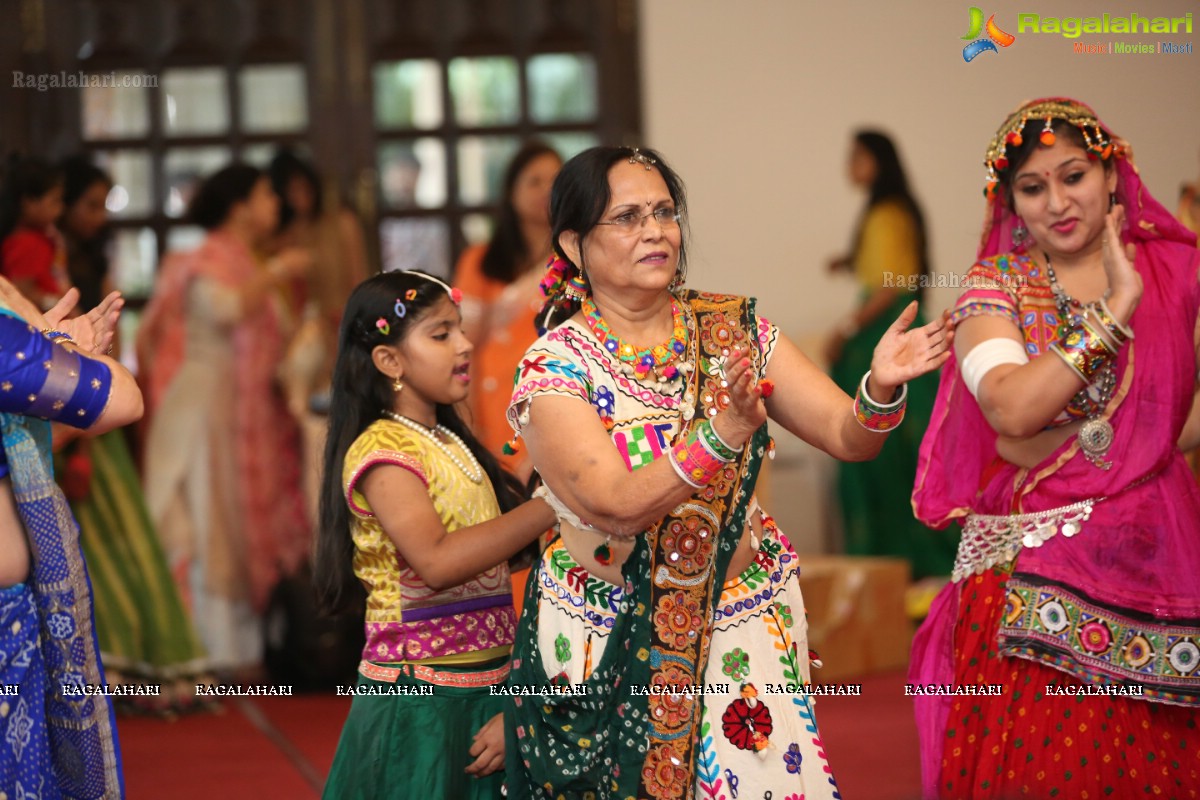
(642, 361)
(475, 475)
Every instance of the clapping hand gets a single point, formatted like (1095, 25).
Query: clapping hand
(746, 411)
(92, 332)
(904, 354)
(1123, 280)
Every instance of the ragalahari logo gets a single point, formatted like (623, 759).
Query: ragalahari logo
(995, 36)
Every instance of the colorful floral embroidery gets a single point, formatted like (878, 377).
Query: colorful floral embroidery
(736, 664)
(562, 649)
(661, 774)
(1095, 637)
(1184, 657)
(784, 612)
(708, 770)
(747, 722)
(668, 706)
(678, 618)
(690, 539)
(604, 401)
(793, 758)
(1096, 644)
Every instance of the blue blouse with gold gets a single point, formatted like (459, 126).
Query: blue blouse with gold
(39, 378)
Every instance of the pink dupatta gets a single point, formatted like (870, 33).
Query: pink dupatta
(270, 501)
(1134, 566)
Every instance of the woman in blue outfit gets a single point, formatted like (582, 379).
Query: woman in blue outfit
(57, 736)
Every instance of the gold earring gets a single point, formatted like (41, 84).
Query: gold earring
(397, 386)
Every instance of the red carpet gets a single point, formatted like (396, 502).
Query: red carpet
(261, 747)
(283, 747)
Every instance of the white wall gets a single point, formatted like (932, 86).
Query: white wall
(754, 103)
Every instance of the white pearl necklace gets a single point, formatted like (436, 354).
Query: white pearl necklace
(475, 476)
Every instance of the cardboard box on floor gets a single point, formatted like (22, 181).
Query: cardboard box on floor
(856, 617)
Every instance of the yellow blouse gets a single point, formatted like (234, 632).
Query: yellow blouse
(888, 245)
(407, 621)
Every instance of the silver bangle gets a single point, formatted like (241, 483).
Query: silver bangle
(892, 406)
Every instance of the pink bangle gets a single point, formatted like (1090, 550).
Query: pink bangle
(694, 461)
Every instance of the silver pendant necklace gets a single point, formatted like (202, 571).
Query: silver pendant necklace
(1096, 434)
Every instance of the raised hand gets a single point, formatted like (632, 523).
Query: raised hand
(93, 332)
(746, 411)
(104, 319)
(904, 354)
(1123, 280)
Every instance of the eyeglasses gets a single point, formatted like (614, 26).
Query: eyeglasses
(631, 220)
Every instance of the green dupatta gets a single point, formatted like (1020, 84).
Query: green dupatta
(612, 742)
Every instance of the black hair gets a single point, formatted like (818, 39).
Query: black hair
(218, 194)
(79, 175)
(25, 178)
(507, 252)
(1030, 140)
(285, 166)
(891, 184)
(87, 260)
(358, 392)
(578, 200)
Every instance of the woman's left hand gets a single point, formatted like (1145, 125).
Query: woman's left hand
(488, 748)
(904, 354)
(95, 331)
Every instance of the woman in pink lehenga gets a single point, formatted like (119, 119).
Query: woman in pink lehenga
(1056, 441)
(221, 451)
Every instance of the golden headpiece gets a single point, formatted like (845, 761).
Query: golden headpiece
(1099, 143)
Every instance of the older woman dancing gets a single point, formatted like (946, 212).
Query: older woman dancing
(644, 410)
(1056, 439)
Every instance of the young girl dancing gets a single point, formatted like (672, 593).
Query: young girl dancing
(411, 512)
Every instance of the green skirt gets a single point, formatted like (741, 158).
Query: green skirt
(400, 747)
(876, 496)
(144, 632)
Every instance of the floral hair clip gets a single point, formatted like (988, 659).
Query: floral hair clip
(382, 325)
(399, 309)
(411, 294)
(456, 296)
(637, 157)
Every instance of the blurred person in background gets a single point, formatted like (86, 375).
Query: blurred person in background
(499, 282)
(31, 251)
(889, 259)
(316, 222)
(144, 632)
(221, 460)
